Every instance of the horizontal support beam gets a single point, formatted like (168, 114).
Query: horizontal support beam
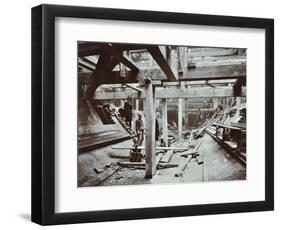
(168, 93)
(212, 74)
(201, 82)
(133, 87)
(197, 92)
(213, 53)
(157, 148)
(191, 110)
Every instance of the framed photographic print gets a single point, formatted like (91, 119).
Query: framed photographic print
(143, 114)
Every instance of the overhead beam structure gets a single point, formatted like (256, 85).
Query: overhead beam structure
(162, 62)
(105, 65)
(117, 52)
(86, 66)
(89, 61)
(212, 75)
(91, 49)
(169, 93)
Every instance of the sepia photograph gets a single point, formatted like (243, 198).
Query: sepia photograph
(158, 114)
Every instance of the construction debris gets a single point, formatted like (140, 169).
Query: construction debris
(141, 165)
(102, 176)
(183, 165)
(98, 170)
(167, 156)
(192, 151)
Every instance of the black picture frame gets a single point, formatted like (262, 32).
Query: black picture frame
(43, 113)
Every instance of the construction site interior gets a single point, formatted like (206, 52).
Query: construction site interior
(152, 114)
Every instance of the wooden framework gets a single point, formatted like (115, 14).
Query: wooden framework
(43, 114)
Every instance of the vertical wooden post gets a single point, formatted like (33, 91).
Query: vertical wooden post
(180, 117)
(165, 121)
(215, 103)
(180, 109)
(238, 101)
(186, 120)
(137, 105)
(150, 154)
(135, 115)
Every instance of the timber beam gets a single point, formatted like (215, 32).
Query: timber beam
(156, 74)
(161, 61)
(89, 62)
(133, 87)
(86, 66)
(214, 53)
(92, 48)
(169, 93)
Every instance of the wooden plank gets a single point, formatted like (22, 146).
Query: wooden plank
(159, 58)
(142, 164)
(159, 157)
(150, 154)
(168, 93)
(199, 159)
(167, 156)
(192, 151)
(189, 152)
(134, 88)
(183, 165)
(157, 148)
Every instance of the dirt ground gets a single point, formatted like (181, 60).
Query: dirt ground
(99, 167)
